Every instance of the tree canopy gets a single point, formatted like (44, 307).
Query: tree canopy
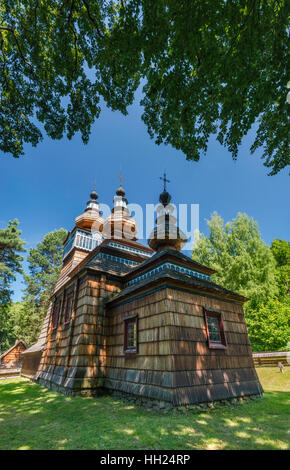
(243, 261)
(247, 265)
(44, 267)
(281, 252)
(269, 325)
(206, 67)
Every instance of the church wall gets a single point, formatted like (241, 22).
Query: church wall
(174, 362)
(149, 372)
(203, 374)
(74, 358)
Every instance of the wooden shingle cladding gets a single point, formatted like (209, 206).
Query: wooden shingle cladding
(75, 257)
(174, 362)
(74, 357)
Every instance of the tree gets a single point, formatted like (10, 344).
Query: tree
(25, 321)
(210, 67)
(45, 263)
(269, 325)
(10, 263)
(244, 263)
(281, 252)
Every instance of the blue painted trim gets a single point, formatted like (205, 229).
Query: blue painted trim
(118, 259)
(129, 249)
(167, 265)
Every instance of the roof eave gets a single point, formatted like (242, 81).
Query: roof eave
(228, 295)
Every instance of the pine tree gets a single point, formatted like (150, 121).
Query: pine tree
(44, 267)
(11, 245)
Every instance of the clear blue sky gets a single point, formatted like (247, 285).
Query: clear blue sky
(49, 186)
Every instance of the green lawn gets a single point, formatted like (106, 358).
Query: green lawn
(32, 417)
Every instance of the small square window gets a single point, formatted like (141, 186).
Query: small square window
(130, 335)
(215, 329)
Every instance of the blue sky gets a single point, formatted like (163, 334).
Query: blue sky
(49, 186)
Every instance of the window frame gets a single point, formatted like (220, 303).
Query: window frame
(68, 295)
(126, 349)
(217, 314)
(55, 314)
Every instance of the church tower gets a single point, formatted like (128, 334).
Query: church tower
(120, 225)
(166, 234)
(84, 237)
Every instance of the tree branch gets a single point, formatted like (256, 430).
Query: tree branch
(92, 19)
(12, 31)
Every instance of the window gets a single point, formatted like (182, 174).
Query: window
(55, 314)
(68, 307)
(130, 335)
(215, 329)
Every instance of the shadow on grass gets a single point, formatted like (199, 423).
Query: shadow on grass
(32, 417)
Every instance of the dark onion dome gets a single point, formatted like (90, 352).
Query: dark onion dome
(120, 191)
(165, 198)
(94, 195)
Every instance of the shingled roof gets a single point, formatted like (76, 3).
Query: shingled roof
(186, 280)
(179, 256)
(108, 266)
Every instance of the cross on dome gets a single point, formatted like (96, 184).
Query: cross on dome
(165, 180)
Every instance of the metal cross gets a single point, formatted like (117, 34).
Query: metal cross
(165, 180)
(121, 178)
(95, 185)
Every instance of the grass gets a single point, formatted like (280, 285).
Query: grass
(32, 417)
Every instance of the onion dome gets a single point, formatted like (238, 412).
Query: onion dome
(165, 198)
(166, 234)
(91, 215)
(120, 191)
(119, 224)
(94, 196)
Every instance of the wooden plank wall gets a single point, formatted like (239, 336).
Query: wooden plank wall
(30, 364)
(174, 362)
(14, 356)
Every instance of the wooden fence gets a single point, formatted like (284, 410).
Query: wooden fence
(271, 359)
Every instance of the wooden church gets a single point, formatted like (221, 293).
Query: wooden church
(142, 322)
